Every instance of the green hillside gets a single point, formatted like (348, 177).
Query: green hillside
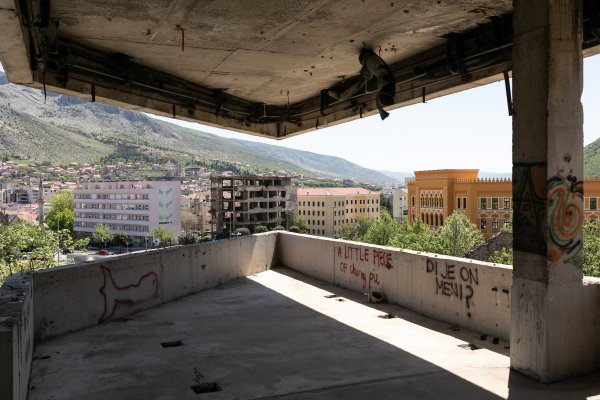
(65, 129)
(591, 159)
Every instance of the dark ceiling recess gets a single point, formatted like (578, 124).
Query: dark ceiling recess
(469, 56)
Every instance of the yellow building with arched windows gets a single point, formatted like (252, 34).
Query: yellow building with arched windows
(434, 195)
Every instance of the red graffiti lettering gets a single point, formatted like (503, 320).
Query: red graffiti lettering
(382, 259)
(354, 253)
(373, 278)
(359, 274)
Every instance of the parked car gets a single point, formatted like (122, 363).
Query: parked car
(103, 252)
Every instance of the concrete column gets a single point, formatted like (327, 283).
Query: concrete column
(549, 336)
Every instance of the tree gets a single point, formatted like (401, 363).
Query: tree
(504, 256)
(459, 235)
(15, 239)
(297, 221)
(61, 214)
(62, 200)
(417, 236)
(355, 232)
(165, 237)
(591, 248)
(189, 221)
(382, 230)
(102, 234)
(60, 219)
(20, 238)
(385, 203)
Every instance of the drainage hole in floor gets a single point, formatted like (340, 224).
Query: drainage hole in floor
(207, 387)
(175, 343)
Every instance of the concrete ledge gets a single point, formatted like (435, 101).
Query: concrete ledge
(467, 293)
(16, 337)
(75, 297)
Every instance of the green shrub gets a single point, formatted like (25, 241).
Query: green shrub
(242, 231)
(187, 238)
(260, 229)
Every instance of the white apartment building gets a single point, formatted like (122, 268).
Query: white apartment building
(400, 204)
(135, 208)
(327, 209)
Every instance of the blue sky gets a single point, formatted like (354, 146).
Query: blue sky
(470, 129)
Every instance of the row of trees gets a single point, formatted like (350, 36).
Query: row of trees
(456, 237)
(24, 246)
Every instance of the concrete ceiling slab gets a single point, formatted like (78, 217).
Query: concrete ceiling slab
(273, 67)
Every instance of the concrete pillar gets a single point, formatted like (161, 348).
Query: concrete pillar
(549, 336)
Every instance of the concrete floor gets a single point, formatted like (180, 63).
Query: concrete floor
(281, 335)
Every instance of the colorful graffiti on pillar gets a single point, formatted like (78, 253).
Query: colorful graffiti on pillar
(144, 289)
(565, 219)
(529, 208)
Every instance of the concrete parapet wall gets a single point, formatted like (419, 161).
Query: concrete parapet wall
(16, 337)
(467, 293)
(74, 297)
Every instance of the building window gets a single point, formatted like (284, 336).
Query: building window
(458, 202)
(483, 224)
(483, 203)
(495, 224)
(593, 203)
(506, 203)
(323, 213)
(465, 203)
(494, 203)
(506, 223)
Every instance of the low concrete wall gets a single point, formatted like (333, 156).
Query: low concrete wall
(467, 293)
(16, 337)
(75, 297)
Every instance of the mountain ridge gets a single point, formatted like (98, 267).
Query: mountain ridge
(68, 129)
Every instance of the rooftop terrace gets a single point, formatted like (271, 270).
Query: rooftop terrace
(282, 335)
(271, 316)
